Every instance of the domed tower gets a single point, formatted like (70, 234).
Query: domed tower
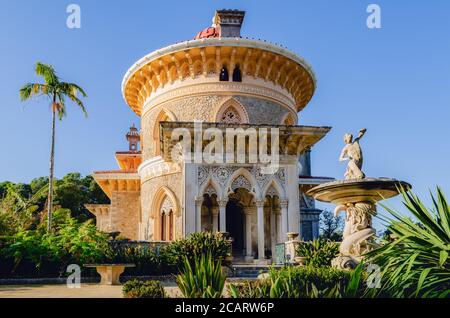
(211, 85)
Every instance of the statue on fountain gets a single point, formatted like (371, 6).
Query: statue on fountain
(353, 153)
(357, 196)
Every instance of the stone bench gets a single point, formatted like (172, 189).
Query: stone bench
(109, 273)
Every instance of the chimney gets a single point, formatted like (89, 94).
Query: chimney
(229, 22)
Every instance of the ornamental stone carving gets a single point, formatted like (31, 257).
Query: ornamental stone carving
(272, 192)
(231, 116)
(210, 190)
(167, 205)
(202, 175)
(241, 182)
(358, 233)
(222, 174)
(261, 178)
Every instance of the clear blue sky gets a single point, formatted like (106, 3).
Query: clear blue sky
(394, 81)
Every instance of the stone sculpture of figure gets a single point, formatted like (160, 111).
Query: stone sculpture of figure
(352, 152)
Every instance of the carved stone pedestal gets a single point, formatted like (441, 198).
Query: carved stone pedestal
(358, 237)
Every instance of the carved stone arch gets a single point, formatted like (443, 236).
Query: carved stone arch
(244, 179)
(165, 210)
(232, 105)
(289, 119)
(164, 115)
(166, 206)
(160, 198)
(210, 183)
(241, 182)
(273, 186)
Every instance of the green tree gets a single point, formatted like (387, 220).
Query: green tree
(74, 191)
(57, 91)
(330, 226)
(17, 211)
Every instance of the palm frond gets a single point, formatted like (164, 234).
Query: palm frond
(32, 89)
(71, 90)
(61, 110)
(47, 72)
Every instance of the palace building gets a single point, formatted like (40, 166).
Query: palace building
(221, 81)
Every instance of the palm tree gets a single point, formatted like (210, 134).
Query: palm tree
(57, 92)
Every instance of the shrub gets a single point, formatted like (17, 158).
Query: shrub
(148, 259)
(416, 262)
(202, 280)
(250, 289)
(140, 289)
(303, 282)
(319, 252)
(196, 245)
(38, 253)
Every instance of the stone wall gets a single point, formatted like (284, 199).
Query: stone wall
(124, 213)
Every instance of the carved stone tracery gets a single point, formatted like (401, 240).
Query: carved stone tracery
(241, 182)
(166, 206)
(222, 174)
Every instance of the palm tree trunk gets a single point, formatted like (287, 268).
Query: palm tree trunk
(52, 164)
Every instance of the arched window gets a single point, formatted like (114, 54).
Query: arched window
(163, 227)
(237, 75)
(224, 77)
(231, 116)
(170, 216)
(166, 220)
(231, 111)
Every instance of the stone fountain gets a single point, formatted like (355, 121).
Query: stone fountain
(357, 196)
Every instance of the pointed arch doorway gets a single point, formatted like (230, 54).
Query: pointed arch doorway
(235, 225)
(239, 224)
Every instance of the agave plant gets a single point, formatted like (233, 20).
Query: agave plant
(203, 280)
(415, 262)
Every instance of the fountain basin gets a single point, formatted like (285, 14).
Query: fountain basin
(358, 190)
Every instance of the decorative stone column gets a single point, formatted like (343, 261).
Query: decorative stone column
(260, 219)
(223, 215)
(284, 219)
(273, 230)
(198, 214)
(248, 233)
(215, 219)
(277, 213)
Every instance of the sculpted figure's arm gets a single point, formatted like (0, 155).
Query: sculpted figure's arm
(361, 134)
(343, 156)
